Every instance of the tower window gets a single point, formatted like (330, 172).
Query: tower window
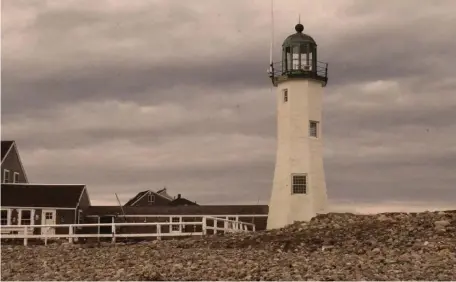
(151, 198)
(313, 128)
(299, 184)
(285, 95)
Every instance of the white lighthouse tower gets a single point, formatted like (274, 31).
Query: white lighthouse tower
(299, 187)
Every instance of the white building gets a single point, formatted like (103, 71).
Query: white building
(299, 187)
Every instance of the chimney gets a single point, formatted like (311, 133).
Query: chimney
(178, 196)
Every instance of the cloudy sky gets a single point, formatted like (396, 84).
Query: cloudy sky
(132, 95)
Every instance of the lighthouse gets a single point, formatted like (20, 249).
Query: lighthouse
(299, 187)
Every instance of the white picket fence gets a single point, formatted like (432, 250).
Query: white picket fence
(25, 232)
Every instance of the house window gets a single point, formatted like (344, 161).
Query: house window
(26, 217)
(4, 217)
(16, 177)
(48, 215)
(175, 227)
(313, 128)
(151, 198)
(299, 184)
(285, 95)
(80, 216)
(6, 176)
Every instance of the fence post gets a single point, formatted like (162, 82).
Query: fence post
(158, 231)
(225, 225)
(113, 231)
(45, 235)
(98, 229)
(253, 228)
(25, 235)
(70, 233)
(204, 225)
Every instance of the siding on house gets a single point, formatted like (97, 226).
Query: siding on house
(84, 204)
(37, 221)
(182, 210)
(64, 217)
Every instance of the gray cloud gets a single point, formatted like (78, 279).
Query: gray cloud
(131, 96)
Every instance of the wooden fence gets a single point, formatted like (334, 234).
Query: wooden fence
(118, 230)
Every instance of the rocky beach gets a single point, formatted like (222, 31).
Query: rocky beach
(336, 246)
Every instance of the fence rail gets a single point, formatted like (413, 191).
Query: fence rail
(26, 231)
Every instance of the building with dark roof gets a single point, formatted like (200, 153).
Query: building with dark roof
(12, 170)
(179, 201)
(28, 204)
(148, 198)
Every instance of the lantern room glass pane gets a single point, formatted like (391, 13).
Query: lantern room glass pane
(289, 61)
(308, 62)
(296, 57)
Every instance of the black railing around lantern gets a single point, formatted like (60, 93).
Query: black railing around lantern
(298, 69)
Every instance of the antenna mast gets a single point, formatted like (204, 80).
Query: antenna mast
(121, 208)
(271, 68)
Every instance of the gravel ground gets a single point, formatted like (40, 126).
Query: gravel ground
(394, 246)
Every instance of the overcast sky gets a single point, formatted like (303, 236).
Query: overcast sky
(126, 96)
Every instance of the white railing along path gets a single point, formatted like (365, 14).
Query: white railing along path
(26, 231)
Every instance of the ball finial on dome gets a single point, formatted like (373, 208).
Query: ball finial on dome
(299, 28)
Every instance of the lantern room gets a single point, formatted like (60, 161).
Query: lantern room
(299, 59)
(299, 51)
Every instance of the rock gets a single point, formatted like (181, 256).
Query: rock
(441, 223)
(383, 217)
